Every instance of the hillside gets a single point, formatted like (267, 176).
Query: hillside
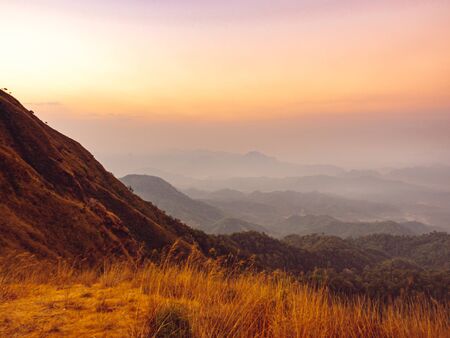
(57, 200)
(195, 213)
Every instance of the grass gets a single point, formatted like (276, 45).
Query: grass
(192, 299)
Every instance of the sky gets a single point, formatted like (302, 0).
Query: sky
(353, 83)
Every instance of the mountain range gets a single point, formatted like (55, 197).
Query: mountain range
(276, 213)
(204, 164)
(304, 225)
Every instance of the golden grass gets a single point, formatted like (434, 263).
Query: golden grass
(196, 299)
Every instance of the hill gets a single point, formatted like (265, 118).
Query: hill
(195, 213)
(56, 200)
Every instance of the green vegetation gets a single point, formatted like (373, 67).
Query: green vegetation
(382, 266)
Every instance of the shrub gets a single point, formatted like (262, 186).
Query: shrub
(170, 321)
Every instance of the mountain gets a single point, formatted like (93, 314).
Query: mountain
(309, 224)
(201, 164)
(234, 225)
(396, 200)
(192, 212)
(366, 187)
(291, 212)
(56, 200)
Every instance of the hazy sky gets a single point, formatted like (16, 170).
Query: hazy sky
(345, 82)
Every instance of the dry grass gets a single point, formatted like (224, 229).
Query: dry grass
(192, 300)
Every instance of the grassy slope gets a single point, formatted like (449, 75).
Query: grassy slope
(199, 300)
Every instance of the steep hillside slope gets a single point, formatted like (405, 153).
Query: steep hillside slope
(195, 213)
(57, 200)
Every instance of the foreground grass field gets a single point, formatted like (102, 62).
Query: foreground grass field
(193, 299)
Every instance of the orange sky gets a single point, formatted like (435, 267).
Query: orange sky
(241, 60)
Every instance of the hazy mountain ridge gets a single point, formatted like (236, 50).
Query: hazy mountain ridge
(190, 211)
(229, 211)
(416, 193)
(395, 199)
(309, 224)
(203, 164)
(271, 207)
(195, 213)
